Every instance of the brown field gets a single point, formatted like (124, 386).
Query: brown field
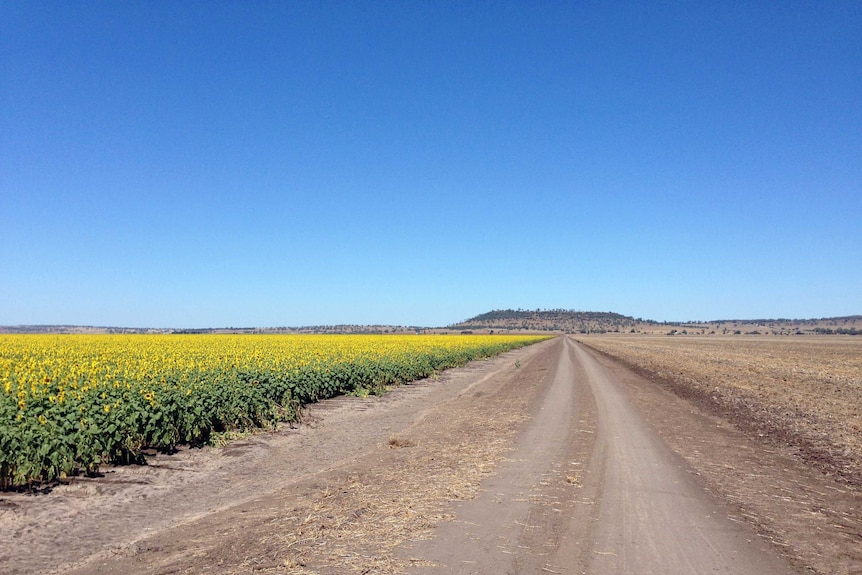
(802, 392)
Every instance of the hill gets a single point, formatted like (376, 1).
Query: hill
(571, 321)
(550, 320)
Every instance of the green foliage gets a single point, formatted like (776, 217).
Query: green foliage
(71, 403)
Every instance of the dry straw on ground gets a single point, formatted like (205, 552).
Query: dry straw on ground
(354, 525)
(357, 519)
(802, 392)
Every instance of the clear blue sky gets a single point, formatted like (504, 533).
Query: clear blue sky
(206, 164)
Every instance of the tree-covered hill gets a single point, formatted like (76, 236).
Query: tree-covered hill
(550, 320)
(571, 321)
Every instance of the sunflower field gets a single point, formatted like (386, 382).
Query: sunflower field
(69, 403)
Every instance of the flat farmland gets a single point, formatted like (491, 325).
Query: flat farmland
(801, 392)
(549, 458)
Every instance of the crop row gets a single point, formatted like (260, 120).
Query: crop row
(71, 403)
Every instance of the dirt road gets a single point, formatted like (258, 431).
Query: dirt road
(547, 459)
(631, 506)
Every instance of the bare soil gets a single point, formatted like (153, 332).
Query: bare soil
(815, 517)
(512, 458)
(801, 392)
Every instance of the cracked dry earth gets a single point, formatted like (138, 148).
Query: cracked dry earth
(547, 459)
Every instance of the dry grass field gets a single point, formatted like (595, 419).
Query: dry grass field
(803, 392)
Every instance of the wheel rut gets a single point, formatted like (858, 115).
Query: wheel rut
(591, 488)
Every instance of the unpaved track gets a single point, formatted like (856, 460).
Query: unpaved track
(586, 487)
(650, 516)
(631, 506)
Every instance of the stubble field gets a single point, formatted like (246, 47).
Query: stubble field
(805, 393)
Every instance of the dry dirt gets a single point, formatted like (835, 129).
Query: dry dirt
(802, 392)
(813, 514)
(545, 459)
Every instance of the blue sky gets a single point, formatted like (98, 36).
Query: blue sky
(207, 164)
